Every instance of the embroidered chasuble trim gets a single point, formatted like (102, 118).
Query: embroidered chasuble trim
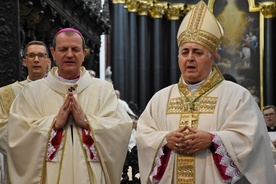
(189, 106)
(96, 149)
(44, 167)
(62, 153)
(94, 142)
(89, 169)
(7, 96)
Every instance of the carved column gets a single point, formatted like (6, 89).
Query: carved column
(268, 9)
(132, 61)
(158, 64)
(174, 14)
(144, 58)
(118, 45)
(9, 42)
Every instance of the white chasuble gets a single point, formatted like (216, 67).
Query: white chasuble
(228, 110)
(30, 128)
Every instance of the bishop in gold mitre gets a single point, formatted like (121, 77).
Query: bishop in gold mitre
(203, 129)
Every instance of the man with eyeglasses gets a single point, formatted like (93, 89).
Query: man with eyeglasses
(36, 60)
(269, 112)
(71, 128)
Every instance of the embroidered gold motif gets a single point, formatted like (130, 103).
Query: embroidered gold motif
(7, 97)
(189, 106)
(203, 38)
(196, 31)
(182, 105)
(185, 169)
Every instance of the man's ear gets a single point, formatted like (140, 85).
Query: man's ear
(52, 52)
(213, 56)
(24, 62)
(49, 63)
(85, 51)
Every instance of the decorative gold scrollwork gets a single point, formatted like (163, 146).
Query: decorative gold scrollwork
(268, 9)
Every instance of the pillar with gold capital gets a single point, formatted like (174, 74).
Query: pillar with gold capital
(144, 55)
(268, 10)
(158, 34)
(132, 66)
(174, 14)
(119, 42)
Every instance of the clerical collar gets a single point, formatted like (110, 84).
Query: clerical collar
(72, 81)
(194, 87)
(28, 79)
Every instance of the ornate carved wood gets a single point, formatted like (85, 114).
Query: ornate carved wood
(40, 20)
(9, 41)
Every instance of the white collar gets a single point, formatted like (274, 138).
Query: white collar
(73, 81)
(194, 87)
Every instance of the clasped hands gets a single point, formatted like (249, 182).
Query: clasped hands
(188, 140)
(70, 106)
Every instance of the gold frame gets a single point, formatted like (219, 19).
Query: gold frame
(253, 8)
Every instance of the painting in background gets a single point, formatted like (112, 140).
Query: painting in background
(239, 53)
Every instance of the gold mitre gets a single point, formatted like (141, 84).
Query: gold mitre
(200, 26)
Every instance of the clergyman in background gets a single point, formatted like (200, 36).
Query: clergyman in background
(36, 60)
(269, 112)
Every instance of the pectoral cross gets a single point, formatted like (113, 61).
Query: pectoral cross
(71, 89)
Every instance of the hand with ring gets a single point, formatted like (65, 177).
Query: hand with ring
(197, 141)
(174, 139)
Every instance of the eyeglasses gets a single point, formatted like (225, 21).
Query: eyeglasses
(268, 115)
(39, 55)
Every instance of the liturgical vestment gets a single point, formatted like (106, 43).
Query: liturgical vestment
(7, 95)
(30, 132)
(220, 107)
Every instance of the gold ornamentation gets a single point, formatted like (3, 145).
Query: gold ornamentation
(155, 8)
(205, 39)
(177, 10)
(118, 1)
(157, 11)
(268, 9)
(200, 26)
(189, 106)
(7, 96)
(182, 105)
(132, 5)
(174, 11)
(144, 7)
(185, 169)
